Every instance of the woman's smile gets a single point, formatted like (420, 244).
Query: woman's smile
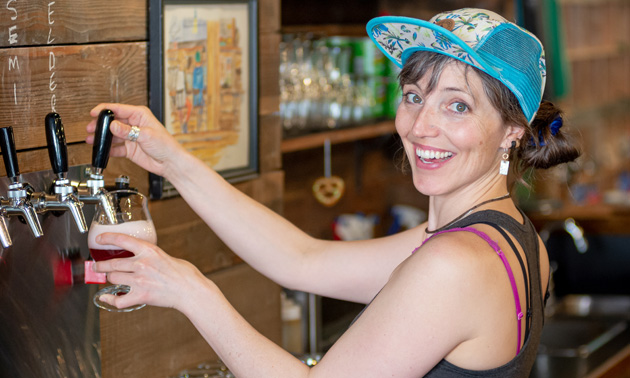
(432, 158)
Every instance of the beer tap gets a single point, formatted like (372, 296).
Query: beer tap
(5, 238)
(100, 156)
(19, 202)
(64, 198)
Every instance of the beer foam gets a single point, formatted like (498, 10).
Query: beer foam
(141, 229)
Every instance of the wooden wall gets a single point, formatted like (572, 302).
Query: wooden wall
(373, 179)
(69, 56)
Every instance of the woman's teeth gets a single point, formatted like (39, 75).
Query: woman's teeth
(426, 155)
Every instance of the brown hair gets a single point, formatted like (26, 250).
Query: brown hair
(538, 148)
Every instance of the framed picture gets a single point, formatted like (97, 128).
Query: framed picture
(203, 82)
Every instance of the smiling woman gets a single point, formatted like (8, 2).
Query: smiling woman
(446, 298)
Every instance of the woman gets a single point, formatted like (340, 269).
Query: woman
(468, 301)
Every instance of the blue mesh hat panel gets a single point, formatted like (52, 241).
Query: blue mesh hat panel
(516, 56)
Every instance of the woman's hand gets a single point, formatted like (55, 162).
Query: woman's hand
(155, 277)
(154, 149)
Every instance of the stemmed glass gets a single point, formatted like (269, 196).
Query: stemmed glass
(132, 218)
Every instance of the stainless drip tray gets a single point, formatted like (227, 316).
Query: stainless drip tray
(578, 337)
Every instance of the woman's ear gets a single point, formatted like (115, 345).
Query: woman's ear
(513, 133)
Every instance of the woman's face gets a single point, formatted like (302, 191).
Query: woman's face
(452, 136)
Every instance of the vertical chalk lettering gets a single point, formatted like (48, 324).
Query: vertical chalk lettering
(51, 61)
(14, 63)
(10, 8)
(50, 12)
(52, 85)
(50, 39)
(51, 68)
(50, 22)
(12, 35)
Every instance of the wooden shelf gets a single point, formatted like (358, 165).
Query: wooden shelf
(594, 219)
(314, 140)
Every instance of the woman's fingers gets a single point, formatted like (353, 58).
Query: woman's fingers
(122, 301)
(137, 246)
(121, 111)
(128, 243)
(119, 130)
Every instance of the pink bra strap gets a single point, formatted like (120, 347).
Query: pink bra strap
(497, 249)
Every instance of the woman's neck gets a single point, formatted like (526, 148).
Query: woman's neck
(445, 209)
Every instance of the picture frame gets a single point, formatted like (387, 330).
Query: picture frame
(203, 83)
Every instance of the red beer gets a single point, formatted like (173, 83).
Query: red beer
(141, 229)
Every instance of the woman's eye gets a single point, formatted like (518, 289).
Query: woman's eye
(458, 107)
(413, 98)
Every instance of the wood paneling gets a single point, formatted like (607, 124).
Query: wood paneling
(158, 342)
(45, 22)
(37, 160)
(269, 74)
(268, 16)
(183, 234)
(270, 139)
(69, 80)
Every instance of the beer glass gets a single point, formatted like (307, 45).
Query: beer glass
(132, 218)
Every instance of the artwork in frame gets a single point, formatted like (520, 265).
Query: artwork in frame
(203, 82)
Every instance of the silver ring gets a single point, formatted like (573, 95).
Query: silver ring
(134, 133)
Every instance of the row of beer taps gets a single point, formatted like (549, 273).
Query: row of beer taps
(22, 201)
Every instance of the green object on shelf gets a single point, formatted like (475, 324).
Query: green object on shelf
(558, 67)
(393, 97)
(368, 59)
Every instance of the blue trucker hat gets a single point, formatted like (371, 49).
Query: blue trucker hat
(478, 37)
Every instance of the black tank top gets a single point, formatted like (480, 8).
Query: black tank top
(525, 235)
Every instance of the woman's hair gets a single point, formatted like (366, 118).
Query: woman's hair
(542, 146)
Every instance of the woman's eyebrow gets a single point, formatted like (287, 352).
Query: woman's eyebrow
(456, 89)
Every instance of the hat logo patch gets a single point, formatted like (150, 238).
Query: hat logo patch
(447, 24)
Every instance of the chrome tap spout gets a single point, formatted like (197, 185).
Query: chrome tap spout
(19, 194)
(5, 238)
(21, 206)
(99, 197)
(63, 202)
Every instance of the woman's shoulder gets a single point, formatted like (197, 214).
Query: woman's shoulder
(461, 243)
(455, 255)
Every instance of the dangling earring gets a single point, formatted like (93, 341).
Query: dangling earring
(505, 163)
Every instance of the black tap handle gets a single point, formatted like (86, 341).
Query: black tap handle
(56, 139)
(7, 144)
(102, 139)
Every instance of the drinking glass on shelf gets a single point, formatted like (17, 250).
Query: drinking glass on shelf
(132, 218)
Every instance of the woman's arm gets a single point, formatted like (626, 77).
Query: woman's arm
(275, 247)
(422, 314)
(269, 243)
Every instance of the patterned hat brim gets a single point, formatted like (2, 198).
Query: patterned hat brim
(448, 44)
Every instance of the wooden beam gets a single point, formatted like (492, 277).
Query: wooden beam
(45, 22)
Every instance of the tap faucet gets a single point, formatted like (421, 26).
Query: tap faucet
(571, 227)
(64, 198)
(96, 192)
(5, 238)
(19, 195)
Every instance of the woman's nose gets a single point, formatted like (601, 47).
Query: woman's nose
(424, 124)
